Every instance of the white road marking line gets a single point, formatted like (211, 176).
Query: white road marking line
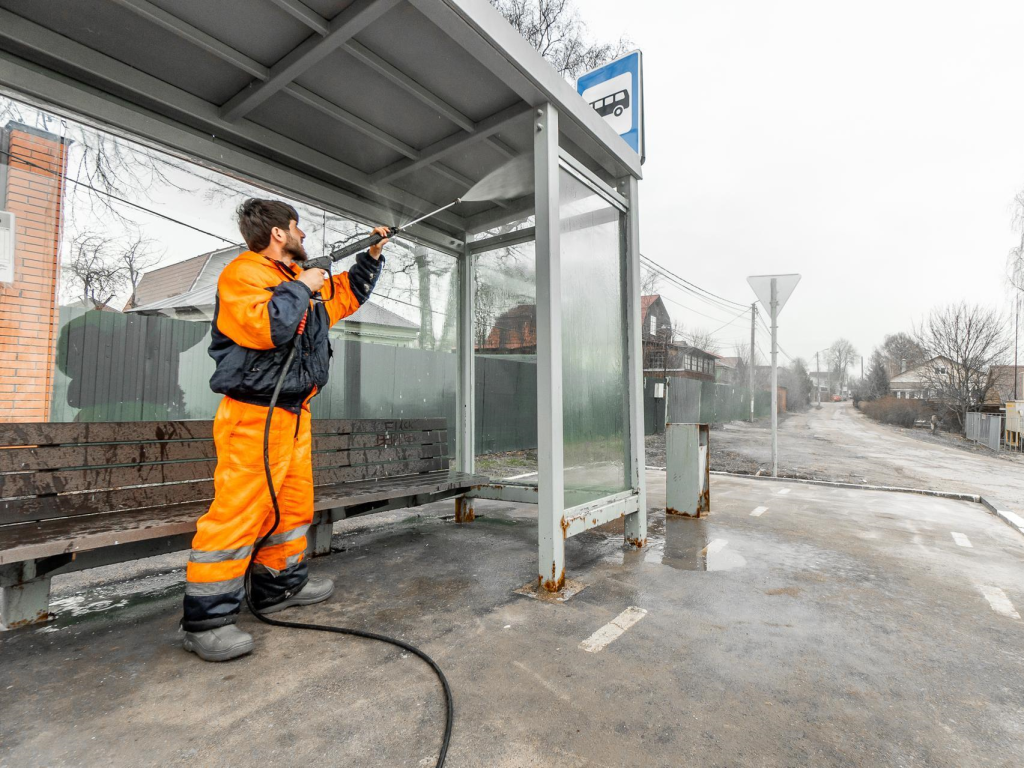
(759, 511)
(782, 491)
(544, 683)
(520, 477)
(999, 601)
(961, 539)
(716, 545)
(613, 629)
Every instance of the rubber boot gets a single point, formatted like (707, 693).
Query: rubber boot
(219, 643)
(316, 590)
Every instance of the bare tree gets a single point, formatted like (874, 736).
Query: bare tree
(650, 281)
(556, 29)
(136, 255)
(964, 341)
(701, 338)
(840, 356)
(93, 267)
(900, 352)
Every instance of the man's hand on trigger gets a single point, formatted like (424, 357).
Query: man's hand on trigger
(376, 249)
(313, 279)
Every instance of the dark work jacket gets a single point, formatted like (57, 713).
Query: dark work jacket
(259, 306)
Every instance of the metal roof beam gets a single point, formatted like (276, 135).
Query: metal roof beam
(437, 150)
(196, 36)
(314, 49)
(118, 79)
(305, 14)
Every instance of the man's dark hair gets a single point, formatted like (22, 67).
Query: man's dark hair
(257, 217)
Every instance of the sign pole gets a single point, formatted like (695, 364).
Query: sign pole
(775, 380)
(753, 318)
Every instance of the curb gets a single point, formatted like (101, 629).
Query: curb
(1012, 519)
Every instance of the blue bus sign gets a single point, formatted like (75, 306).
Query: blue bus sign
(616, 92)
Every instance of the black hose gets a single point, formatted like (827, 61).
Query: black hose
(449, 702)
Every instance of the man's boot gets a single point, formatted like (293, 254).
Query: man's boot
(316, 590)
(219, 643)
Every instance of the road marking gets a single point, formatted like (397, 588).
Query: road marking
(716, 545)
(782, 491)
(613, 629)
(759, 511)
(999, 601)
(544, 683)
(520, 477)
(962, 540)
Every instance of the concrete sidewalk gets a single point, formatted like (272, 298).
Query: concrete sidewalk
(835, 627)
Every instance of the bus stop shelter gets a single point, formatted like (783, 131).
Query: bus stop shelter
(382, 110)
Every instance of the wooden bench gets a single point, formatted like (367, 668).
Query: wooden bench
(76, 496)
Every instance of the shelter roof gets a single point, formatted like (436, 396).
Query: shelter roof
(366, 106)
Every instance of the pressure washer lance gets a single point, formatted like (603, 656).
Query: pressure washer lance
(325, 262)
(448, 700)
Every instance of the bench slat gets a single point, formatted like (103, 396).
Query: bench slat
(77, 456)
(20, 435)
(50, 537)
(124, 499)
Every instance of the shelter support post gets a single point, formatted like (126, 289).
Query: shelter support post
(465, 437)
(550, 477)
(635, 522)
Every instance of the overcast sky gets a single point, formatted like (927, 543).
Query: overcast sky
(875, 148)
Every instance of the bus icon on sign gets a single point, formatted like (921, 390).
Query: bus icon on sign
(615, 104)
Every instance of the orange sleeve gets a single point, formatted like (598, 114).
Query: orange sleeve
(344, 302)
(255, 315)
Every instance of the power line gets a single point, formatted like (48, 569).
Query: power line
(112, 196)
(669, 272)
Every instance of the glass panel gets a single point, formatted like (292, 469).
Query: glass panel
(505, 343)
(593, 345)
(106, 305)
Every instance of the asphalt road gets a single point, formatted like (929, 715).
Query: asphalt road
(840, 443)
(794, 627)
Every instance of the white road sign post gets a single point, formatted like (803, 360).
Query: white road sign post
(773, 291)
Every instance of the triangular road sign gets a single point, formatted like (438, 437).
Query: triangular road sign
(784, 285)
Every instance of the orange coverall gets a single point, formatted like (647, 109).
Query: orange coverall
(242, 510)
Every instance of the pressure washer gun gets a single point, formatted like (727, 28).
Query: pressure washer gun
(344, 251)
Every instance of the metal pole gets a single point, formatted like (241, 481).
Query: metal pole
(550, 475)
(465, 452)
(635, 523)
(753, 319)
(1016, 328)
(817, 378)
(775, 379)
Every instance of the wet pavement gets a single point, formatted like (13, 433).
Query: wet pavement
(832, 628)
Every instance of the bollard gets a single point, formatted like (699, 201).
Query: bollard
(687, 470)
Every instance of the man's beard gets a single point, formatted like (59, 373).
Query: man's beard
(293, 247)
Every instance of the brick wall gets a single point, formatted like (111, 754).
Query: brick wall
(28, 306)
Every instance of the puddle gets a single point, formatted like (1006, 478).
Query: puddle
(70, 610)
(689, 545)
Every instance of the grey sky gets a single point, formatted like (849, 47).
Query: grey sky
(875, 148)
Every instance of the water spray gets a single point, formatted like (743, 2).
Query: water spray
(359, 246)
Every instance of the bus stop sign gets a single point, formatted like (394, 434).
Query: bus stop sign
(616, 92)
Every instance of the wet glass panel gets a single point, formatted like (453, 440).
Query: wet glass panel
(594, 401)
(110, 252)
(505, 344)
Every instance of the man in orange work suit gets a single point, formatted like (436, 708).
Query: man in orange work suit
(262, 297)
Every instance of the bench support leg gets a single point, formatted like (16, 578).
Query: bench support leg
(318, 537)
(25, 603)
(464, 512)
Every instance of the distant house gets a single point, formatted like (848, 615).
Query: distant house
(654, 318)
(187, 291)
(727, 370)
(1001, 390)
(513, 333)
(918, 383)
(88, 304)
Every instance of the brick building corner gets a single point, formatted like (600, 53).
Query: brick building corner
(32, 168)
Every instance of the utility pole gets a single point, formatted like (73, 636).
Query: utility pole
(817, 378)
(750, 376)
(775, 378)
(862, 369)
